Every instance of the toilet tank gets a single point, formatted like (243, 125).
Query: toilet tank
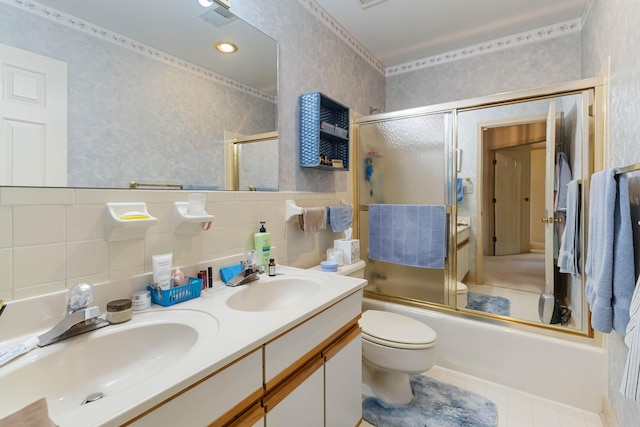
(353, 270)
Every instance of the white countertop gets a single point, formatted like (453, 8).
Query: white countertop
(238, 333)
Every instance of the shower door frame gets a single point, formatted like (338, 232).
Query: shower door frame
(596, 155)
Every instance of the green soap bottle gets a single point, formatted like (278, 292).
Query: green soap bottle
(262, 240)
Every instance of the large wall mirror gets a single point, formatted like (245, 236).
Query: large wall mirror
(102, 93)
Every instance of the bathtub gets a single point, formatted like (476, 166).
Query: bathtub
(568, 372)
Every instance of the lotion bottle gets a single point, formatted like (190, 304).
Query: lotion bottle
(262, 240)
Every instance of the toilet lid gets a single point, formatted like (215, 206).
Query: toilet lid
(396, 330)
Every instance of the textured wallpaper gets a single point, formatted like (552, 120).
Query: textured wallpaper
(134, 118)
(612, 30)
(312, 59)
(528, 66)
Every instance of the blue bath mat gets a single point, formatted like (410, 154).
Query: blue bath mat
(435, 404)
(488, 303)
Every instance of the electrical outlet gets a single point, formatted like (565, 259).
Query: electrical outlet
(467, 189)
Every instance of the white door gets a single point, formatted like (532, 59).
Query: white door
(549, 184)
(33, 119)
(507, 203)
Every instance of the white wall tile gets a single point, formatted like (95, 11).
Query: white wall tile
(85, 222)
(87, 258)
(126, 254)
(37, 265)
(5, 267)
(36, 196)
(6, 227)
(38, 225)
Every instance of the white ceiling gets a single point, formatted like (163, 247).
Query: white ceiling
(394, 32)
(176, 27)
(400, 31)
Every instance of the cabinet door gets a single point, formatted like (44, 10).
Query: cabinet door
(231, 388)
(303, 404)
(343, 378)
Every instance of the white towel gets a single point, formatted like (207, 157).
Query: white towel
(630, 386)
(568, 258)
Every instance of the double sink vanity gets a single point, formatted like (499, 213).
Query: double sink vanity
(273, 352)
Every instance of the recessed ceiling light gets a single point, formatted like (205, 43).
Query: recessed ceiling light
(226, 47)
(205, 3)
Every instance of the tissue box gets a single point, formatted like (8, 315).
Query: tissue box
(349, 248)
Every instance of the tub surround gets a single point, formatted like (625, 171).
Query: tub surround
(239, 333)
(571, 373)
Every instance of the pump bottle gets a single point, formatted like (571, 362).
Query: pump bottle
(262, 240)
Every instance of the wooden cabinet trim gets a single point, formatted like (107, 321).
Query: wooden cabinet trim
(241, 408)
(282, 376)
(462, 244)
(342, 342)
(248, 418)
(283, 390)
(197, 383)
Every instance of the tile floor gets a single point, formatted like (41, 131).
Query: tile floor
(517, 409)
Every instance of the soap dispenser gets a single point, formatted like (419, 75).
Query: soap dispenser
(262, 240)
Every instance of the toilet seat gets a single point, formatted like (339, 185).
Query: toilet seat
(395, 330)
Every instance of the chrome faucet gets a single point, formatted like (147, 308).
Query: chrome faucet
(79, 319)
(250, 270)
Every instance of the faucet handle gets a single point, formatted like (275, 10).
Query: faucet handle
(250, 259)
(79, 296)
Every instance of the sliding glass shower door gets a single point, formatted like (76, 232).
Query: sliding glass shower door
(404, 160)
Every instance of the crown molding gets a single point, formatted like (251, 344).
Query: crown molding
(344, 35)
(527, 37)
(128, 43)
(495, 45)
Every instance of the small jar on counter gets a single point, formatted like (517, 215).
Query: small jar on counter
(141, 300)
(119, 311)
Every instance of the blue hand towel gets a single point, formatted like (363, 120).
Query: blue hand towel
(460, 191)
(623, 258)
(228, 273)
(599, 267)
(413, 235)
(339, 217)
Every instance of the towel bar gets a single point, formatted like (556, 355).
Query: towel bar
(291, 209)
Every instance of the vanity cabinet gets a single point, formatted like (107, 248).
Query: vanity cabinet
(462, 253)
(218, 396)
(309, 375)
(317, 366)
(324, 133)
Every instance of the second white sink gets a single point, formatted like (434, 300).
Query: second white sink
(274, 294)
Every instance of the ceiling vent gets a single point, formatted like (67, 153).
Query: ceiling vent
(218, 16)
(368, 3)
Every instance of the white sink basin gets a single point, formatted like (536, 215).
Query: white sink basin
(274, 293)
(107, 361)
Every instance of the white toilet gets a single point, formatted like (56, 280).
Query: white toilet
(393, 347)
(461, 295)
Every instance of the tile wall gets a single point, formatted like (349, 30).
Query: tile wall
(51, 239)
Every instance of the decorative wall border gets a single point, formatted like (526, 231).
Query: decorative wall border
(127, 43)
(532, 36)
(495, 45)
(333, 25)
